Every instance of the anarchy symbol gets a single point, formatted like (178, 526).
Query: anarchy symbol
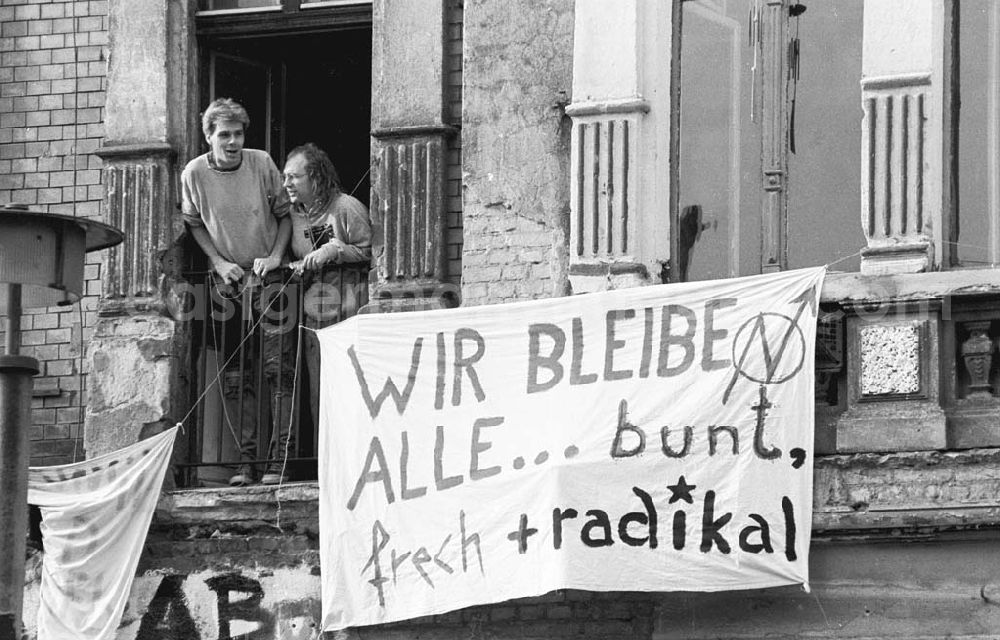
(763, 359)
(769, 348)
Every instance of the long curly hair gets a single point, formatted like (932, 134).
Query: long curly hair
(320, 169)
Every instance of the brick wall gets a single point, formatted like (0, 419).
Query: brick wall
(517, 77)
(52, 87)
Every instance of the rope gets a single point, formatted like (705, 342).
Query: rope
(360, 181)
(80, 378)
(76, 169)
(819, 604)
(218, 374)
(949, 242)
(971, 246)
(181, 422)
(295, 388)
(842, 259)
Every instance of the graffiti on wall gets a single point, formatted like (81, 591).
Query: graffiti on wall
(216, 605)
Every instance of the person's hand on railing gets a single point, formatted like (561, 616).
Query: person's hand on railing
(313, 261)
(228, 271)
(261, 266)
(332, 251)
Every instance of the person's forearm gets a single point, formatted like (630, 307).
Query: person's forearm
(343, 252)
(284, 235)
(205, 242)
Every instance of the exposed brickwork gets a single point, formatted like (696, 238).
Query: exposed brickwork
(515, 150)
(216, 551)
(52, 91)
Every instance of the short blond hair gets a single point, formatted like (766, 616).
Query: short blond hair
(223, 110)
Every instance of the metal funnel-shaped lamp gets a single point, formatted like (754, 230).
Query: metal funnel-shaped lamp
(44, 253)
(41, 265)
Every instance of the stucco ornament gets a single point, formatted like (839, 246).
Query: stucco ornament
(890, 359)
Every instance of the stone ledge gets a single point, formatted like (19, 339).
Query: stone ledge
(295, 503)
(415, 131)
(855, 288)
(139, 150)
(910, 495)
(907, 493)
(611, 106)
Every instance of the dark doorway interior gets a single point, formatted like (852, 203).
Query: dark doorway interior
(313, 87)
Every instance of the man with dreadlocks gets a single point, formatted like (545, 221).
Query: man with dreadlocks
(332, 245)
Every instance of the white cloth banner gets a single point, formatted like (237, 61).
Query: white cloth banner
(95, 516)
(650, 439)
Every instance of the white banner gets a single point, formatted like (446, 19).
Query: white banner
(649, 439)
(95, 516)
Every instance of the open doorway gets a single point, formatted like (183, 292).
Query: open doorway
(301, 82)
(297, 88)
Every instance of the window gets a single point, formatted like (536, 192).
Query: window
(769, 166)
(208, 7)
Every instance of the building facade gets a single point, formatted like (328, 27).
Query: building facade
(540, 148)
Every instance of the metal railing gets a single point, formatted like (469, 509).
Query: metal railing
(255, 370)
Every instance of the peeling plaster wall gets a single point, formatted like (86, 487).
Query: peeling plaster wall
(137, 362)
(518, 75)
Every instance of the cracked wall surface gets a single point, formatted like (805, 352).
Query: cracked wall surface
(516, 136)
(136, 360)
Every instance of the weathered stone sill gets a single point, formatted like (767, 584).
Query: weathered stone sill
(854, 288)
(912, 495)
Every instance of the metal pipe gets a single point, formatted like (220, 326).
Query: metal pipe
(15, 418)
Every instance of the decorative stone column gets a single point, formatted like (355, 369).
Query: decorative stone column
(139, 199)
(620, 146)
(977, 356)
(904, 182)
(409, 141)
(974, 417)
(137, 354)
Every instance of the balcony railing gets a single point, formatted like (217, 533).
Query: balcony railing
(250, 373)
